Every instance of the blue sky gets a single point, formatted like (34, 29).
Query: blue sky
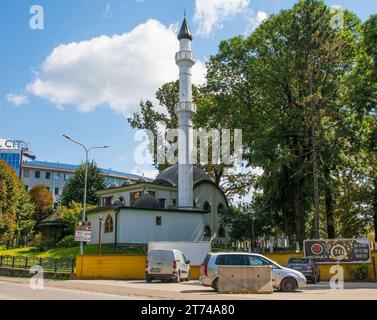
(89, 84)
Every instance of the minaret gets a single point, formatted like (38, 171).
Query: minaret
(184, 110)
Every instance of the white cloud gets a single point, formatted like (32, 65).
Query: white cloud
(210, 14)
(254, 20)
(17, 99)
(261, 16)
(117, 71)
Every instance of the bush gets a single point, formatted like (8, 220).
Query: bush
(67, 242)
(37, 242)
(360, 273)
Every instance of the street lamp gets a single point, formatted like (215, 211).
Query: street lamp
(100, 233)
(86, 179)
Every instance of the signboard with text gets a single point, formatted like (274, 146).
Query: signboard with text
(83, 231)
(338, 250)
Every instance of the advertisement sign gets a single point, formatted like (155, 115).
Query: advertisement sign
(83, 231)
(338, 250)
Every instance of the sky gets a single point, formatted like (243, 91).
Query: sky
(93, 61)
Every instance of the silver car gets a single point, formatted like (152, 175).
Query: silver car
(283, 279)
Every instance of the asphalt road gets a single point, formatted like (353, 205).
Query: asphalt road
(18, 288)
(17, 291)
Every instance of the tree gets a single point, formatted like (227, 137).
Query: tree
(43, 201)
(70, 215)
(9, 194)
(149, 118)
(74, 188)
(25, 220)
(247, 223)
(284, 87)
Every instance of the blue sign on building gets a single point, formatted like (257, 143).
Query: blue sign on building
(13, 158)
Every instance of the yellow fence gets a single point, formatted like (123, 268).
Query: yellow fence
(282, 259)
(130, 267)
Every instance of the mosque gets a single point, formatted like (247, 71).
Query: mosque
(182, 203)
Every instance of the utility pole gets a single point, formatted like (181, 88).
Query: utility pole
(86, 180)
(313, 125)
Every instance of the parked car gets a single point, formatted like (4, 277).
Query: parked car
(306, 266)
(167, 264)
(284, 279)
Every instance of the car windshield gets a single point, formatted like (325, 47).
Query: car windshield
(298, 261)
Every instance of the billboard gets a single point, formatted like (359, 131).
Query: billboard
(83, 231)
(338, 250)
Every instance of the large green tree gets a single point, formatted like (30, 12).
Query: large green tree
(284, 87)
(9, 194)
(74, 188)
(25, 219)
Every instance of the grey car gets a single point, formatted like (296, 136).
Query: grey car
(306, 266)
(283, 279)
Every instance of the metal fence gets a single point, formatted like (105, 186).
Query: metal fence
(66, 265)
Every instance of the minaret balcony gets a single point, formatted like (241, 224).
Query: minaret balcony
(185, 55)
(185, 106)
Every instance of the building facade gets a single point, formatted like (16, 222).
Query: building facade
(54, 176)
(15, 152)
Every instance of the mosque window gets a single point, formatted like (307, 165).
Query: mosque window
(220, 209)
(221, 232)
(134, 196)
(207, 231)
(109, 226)
(107, 201)
(207, 206)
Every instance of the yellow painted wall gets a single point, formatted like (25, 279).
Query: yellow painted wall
(130, 267)
(194, 272)
(110, 267)
(282, 259)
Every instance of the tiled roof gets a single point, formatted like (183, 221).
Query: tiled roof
(73, 167)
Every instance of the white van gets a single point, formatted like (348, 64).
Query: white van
(167, 264)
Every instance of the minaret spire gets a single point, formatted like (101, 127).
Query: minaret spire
(184, 110)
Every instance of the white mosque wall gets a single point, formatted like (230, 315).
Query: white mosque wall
(106, 237)
(208, 192)
(139, 226)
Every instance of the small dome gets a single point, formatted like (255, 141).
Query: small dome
(146, 201)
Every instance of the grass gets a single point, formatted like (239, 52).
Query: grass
(67, 252)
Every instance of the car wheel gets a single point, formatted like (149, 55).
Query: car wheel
(215, 284)
(149, 280)
(288, 285)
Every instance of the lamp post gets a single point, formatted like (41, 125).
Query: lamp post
(86, 179)
(100, 233)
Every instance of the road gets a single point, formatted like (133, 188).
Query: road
(18, 288)
(18, 291)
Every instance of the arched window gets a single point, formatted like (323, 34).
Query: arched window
(207, 206)
(109, 226)
(207, 231)
(220, 209)
(221, 232)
